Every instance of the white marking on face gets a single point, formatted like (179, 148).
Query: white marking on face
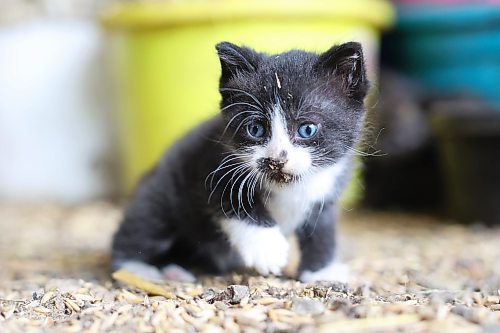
(290, 205)
(335, 271)
(298, 158)
(262, 248)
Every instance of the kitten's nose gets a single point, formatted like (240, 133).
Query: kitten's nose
(283, 155)
(281, 159)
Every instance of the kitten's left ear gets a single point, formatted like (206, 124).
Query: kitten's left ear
(346, 62)
(235, 59)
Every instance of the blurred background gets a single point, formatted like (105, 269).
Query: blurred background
(92, 92)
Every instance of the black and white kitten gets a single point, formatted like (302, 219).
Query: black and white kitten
(273, 162)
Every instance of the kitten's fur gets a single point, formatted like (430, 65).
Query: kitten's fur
(221, 198)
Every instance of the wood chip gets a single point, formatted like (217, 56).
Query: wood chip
(267, 300)
(135, 281)
(83, 297)
(131, 297)
(46, 297)
(41, 309)
(366, 324)
(72, 305)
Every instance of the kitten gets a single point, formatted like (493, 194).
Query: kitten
(273, 162)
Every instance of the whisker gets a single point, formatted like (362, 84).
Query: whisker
(220, 169)
(230, 157)
(255, 182)
(233, 170)
(234, 118)
(268, 194)
(242, 122)
(319, 213)
(241, 173)
(230, 181)
(365, 154)
(221, 166)
(240, 195)
(249, 187)
(243, 92)
(240, 103)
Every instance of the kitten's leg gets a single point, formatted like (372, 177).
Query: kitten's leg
(146, 235)
(317, 244)
(141, 241)
(262, 247)
(138, 251)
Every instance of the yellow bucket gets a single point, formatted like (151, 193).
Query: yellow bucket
(167, 68)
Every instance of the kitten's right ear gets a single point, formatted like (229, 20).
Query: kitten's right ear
(346, 63)
(235, 59)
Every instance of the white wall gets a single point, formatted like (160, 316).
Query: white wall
(53, 107)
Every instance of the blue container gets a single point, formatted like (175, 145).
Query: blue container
(452, 49)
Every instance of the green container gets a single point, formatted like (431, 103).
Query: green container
(167, 68)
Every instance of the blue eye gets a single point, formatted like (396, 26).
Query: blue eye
(308, 130)
(256, 130)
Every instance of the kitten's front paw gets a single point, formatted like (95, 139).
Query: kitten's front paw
(142, 270)
(175, 272)
(262, 248)
(170, 272)
(266, 251)
(335, 271)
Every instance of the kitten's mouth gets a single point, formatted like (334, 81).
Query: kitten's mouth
(274, 170)
(280, 177)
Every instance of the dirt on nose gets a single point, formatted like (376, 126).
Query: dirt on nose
(273, 168)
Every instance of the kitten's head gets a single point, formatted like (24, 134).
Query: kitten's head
(291, 114)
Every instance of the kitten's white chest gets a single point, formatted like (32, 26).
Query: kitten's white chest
(290, 205)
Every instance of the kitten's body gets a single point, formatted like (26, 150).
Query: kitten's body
(223, 198)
